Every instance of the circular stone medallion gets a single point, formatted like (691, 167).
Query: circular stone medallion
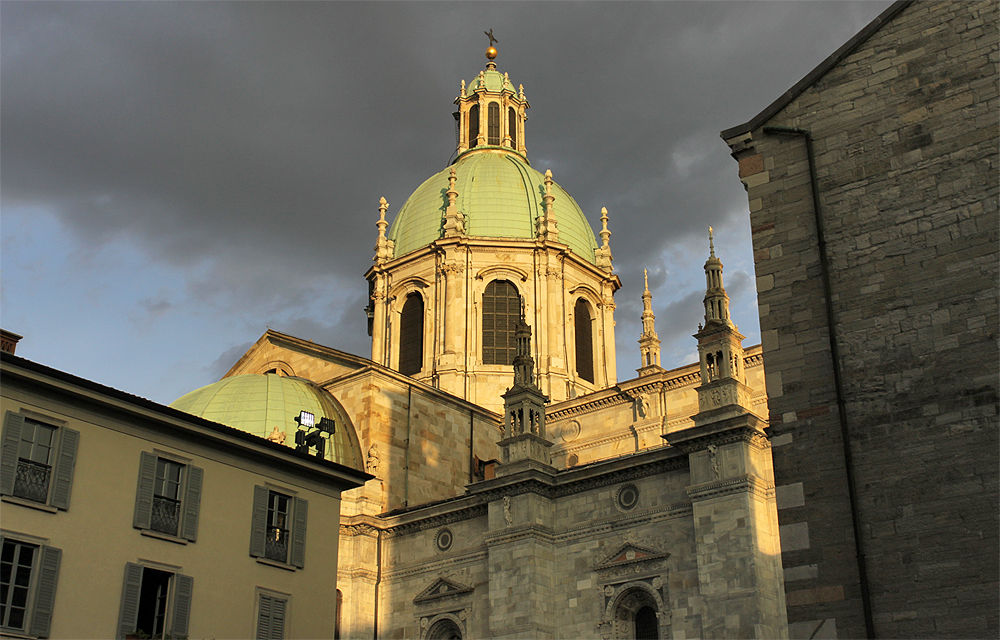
(627, 497)
(443, 539)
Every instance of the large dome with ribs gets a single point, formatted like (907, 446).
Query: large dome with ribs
(500, 195)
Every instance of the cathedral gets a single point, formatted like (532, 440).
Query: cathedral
(520, 490)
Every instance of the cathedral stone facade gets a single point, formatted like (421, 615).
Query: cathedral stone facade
(520, 491)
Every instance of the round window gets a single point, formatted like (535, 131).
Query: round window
(443, 539)
(628, 497)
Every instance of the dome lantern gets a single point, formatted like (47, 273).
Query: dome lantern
(491, 113)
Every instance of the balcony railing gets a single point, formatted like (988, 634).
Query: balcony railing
(166, 515)
(31, 481)
(276, 544)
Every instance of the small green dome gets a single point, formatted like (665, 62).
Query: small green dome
(500, 195)
(491, 80)
(258, 403)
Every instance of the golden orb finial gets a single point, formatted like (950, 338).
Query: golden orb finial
(491, 53)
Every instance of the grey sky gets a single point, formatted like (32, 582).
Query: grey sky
(176, 176)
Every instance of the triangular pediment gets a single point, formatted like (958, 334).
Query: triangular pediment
(629, 553)
(441, 588)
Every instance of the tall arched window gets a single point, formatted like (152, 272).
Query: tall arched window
(473, 125)
(411, 335)
(501, 311)
(584, 341)
(493, 123)
(512, 126)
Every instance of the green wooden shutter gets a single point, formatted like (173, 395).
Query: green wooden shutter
(270, 618)
(299, 533)
(128, 614)
(183, 590)
(144, 491)
(258, 524)
(12, 424)
(45, 593)
(192, 503)
(69, 441)
(264, 618)
(278, 619)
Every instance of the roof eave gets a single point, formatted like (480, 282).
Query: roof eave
(848, 47)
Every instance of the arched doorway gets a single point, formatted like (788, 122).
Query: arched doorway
(444, 629)
(636, 616)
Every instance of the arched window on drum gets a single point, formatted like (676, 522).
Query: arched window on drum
(512, 126)
(474, 126)
(411, 335)
(501, 311)
(493, 123)
(584, 340)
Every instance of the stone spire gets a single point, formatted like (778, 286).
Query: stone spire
(454, 221)
(716, 300)
(547, 229)
(383, 246)
(602, 254)
(649, 343)
(720, 346)
(524, 444)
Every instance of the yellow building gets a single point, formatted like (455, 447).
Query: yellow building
(125, 518)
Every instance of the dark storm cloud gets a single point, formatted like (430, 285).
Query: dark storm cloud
(249, 143)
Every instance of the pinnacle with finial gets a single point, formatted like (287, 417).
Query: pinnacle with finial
(645, 277)
(711, 243)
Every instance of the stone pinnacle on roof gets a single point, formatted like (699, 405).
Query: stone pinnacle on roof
(602, 255)
(383, 246)
(649, 342)
(716, 299)
(547, 227)
(454, 221)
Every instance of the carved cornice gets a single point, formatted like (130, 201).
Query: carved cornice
(740, 484)
(359, 529)
(698, 438)
(519, 532)
(588, 407)
(439, 520)
(613, 477)
(438, 564)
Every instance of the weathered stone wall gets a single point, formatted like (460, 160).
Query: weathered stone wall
(905, 135)
(542, 574)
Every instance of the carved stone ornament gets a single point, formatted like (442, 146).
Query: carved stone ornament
(277, 435)
(441, 588)
(373, 463)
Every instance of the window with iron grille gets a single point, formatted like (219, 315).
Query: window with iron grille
(168, 497)
(493, 123)
(584, 341)
(474, 126)
(38, 461)
(512, 126)
(28, 575)
(278, 527)
(411, 335)
(501, 312)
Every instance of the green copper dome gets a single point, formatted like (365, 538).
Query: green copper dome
(258, 403)
(500, 195)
